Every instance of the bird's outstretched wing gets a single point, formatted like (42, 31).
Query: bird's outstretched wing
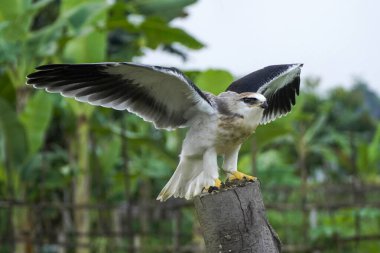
(164, 96)
(278, 83)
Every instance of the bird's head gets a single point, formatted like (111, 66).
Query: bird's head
(252, 100)
(246, 104)
(251, 105)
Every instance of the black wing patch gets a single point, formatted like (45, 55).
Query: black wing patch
(280, 84)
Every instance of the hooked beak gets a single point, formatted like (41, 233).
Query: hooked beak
(264, 105)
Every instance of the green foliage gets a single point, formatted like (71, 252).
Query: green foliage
(158, 32)
(265, 135)
(214, 80)
(274, 170)
(14, 145)
(368, 156)
(147, 26)
(89, 42)
(167, 9)
(108, 152)
(36, 119)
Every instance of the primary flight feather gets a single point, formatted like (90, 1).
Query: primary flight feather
(218, 125)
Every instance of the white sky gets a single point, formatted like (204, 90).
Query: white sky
(337, 40)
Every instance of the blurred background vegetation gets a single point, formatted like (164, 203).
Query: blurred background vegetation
(78, 178)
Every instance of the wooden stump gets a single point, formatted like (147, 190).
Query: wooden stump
(234, 221)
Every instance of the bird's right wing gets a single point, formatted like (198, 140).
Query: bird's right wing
(164, 96)
(280, 84)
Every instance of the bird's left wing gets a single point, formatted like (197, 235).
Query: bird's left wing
(278, 83)
(164, 96)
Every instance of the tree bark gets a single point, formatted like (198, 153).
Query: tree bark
(234, 221)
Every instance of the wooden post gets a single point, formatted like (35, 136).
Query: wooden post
(234, 221)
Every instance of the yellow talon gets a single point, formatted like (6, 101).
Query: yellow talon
(218, 183)
(214, 187)
(236, 175)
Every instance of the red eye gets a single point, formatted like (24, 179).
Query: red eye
(249, 100)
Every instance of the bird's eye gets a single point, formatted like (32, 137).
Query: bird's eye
(249, 100)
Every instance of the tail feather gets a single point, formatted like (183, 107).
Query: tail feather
(187, 181)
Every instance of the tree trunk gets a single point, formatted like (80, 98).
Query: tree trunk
(127, 218)
(82, 193)
(234, 221)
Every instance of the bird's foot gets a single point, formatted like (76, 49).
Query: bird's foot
(236, 175)
(218, 183)
(215, 187)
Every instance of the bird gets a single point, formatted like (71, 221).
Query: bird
(217, 124)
